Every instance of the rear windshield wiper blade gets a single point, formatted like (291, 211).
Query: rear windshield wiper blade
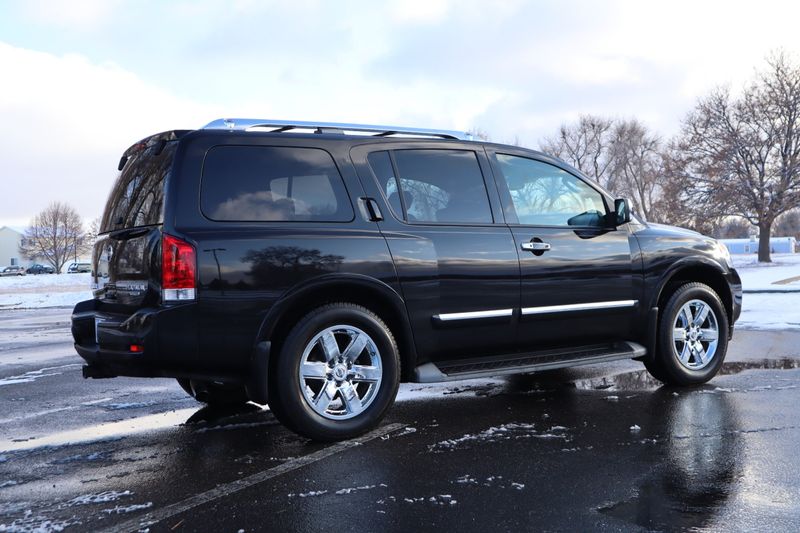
(128, 233)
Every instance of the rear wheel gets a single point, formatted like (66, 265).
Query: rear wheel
(213, 392)
(692, 337)
(337, 373)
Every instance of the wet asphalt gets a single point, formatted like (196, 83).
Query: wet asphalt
(601, 448)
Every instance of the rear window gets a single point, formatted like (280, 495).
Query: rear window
(273, 183)
(137, 198)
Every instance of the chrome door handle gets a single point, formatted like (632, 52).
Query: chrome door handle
(535, 246)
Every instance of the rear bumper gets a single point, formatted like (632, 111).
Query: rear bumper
(165, 339)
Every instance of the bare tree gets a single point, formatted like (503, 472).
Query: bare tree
(55, 235)
(621, 155)
(637, 166)
(479, 134)
(584, 145)
(742, 154)
(788, 225)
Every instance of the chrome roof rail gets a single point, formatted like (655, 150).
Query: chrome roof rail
(279, 126)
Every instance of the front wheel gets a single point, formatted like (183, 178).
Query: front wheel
(337, 373)
(692, 337)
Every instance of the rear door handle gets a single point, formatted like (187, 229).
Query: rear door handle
(535, 246)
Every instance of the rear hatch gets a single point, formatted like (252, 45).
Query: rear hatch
(126, 263)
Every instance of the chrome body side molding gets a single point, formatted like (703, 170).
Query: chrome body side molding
(471, 315)
(577, 307)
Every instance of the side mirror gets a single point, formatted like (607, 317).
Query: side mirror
(622, 211)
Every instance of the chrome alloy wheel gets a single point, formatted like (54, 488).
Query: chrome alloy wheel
(695, 335)
(340, 372)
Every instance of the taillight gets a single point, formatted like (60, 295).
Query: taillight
(178, 266)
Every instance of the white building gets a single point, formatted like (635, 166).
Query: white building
(777, 245)
(10, 239)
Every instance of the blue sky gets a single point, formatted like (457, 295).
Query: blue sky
(84, 79)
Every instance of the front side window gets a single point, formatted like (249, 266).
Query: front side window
(439, 186)
(544, 195)
(272, 183)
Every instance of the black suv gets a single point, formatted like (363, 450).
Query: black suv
(315, 266)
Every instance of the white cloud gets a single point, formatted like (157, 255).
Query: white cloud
(74, 14)
(419, 11)
(67, 121)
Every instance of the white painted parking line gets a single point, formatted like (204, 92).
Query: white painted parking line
(233, 487)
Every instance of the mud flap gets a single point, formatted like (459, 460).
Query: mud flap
(652, 336)
(256, 384)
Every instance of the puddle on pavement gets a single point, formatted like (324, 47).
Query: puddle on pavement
(641, 380)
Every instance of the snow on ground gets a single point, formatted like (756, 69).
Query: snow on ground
(44, 290)
(769, 310)
(783, 274)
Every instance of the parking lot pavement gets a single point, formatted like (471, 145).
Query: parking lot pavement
(601, 448)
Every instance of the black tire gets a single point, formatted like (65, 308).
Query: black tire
(291, 404)
(214, 393)
(667, 366)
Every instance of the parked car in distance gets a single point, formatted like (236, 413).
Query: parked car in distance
(79, 268)
(313, 267)
(13, 271)
(40, 269)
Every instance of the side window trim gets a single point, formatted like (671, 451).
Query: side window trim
(505, 194)
(397, 180)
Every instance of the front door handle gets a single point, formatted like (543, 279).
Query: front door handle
(535, 246)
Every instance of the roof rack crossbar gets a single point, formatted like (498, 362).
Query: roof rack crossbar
(245, 124)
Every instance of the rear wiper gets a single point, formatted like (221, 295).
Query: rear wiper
(128, 233)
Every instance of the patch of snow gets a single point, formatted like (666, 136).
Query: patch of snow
(129, 508)
(129, 405)
(350, 490)
(477, 387)
(46, 290)
(770, 311)
(635, 428)
(9, 483)
(308, 494)
(511, 431)
(33, 375)
(94, 456)
(765, 276)
(34, 523)
(100, 497)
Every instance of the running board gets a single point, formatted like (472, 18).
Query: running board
(531, 362)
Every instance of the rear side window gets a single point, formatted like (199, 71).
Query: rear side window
(442, 186)
(272, 183)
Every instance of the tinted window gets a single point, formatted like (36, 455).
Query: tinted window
(269, 183)
(137, 198)
(381, 165)
(441, 186)
(543, 194)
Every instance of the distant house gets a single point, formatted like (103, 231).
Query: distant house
(777, 245)
(10, 239)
